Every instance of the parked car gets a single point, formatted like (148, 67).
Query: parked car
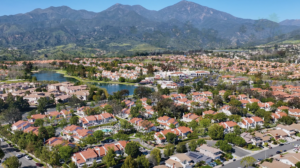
(19, 155)
(38, 164)
(271, 155)
(286, 143)
(296, 146)
(259, 160)
(278, 152)
(28, 157)
(233, 159)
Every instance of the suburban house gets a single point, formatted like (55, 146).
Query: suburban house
(76, 133)
(277, 115)
(214, 153)
(247, 137)
(142, 125)
(278, 134)
(166, 121)
(251, 122)
(287, 129)
(189, 117)
(274, 164)
(34, 130)
(36, 116)
(54, 141)
(160, 137)
(228, 125)
(20, 125)
(96, 119)
(290, 159)
(97, 153)
(179, 160)
(294, 112)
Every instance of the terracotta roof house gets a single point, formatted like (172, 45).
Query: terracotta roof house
(228, 126)
(97, 153)
(166, 121)
(189, 117)
(20, 125)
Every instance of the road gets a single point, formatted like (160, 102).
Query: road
(263, 154)
(236, 150)
(10, 151)
(240, 152)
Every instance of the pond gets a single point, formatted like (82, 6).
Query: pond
(53, 76)
(111, 88)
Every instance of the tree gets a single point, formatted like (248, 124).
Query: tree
(288, 120)
(224, 146)
(132, 149)
(216, 131)
(218, 100)
(98, 135)
(121, 79)
(172, 126)
(142, 91)
(150, 69)
(171, 137)
(72, 165)
(74, 120)
(248, 161)
(65, 152)
(43, 133)
(38, 122)
(129, 163)
(201, 142)
(181, 148)
(11, 115)
(169, 150)
(12, 162)
(252, 107)
(2, 154)
(142, 161)
(42, 105)
(193, 145)
(205, 123)
(297, 164)
(155, 153)
(109, 158)
(220, 117)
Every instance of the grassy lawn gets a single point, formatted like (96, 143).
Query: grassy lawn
(12, 81)
(206, 166)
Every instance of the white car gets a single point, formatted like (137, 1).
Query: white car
(19, 155)
(28, 157)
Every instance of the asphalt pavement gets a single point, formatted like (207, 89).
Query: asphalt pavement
(236, 150)
(263, 154)
(10, 151)
(240, 152)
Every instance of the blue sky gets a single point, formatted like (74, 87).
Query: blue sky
(251, 9)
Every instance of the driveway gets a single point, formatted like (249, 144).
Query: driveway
(10, 151)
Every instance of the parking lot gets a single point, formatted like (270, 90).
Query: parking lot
(10, 151)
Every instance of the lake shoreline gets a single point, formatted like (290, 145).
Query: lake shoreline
(93, 81)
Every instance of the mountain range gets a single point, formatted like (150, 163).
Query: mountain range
(182, 26)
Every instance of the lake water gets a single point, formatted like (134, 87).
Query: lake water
(111, 88)
(53, 76)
